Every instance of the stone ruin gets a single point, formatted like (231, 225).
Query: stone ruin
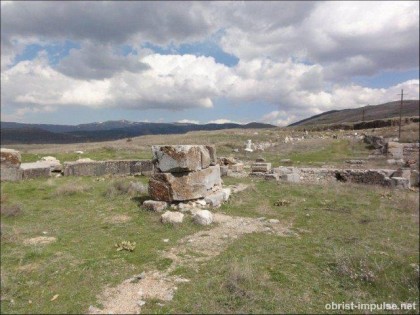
(187, 178)
(185, 172)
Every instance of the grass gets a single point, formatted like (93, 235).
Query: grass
(363, 255)
(84, 258)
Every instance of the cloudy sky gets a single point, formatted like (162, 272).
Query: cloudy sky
(276, 62)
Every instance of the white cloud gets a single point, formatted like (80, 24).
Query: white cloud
(223, 121)
(188, 121)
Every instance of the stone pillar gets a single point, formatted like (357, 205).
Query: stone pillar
(10, 165)
(184, 172)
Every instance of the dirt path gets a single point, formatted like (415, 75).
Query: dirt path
(191, 252)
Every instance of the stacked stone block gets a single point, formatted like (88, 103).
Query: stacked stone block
(184, 172)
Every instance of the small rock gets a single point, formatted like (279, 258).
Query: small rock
(172, 217)
(154, 205)
(226, 193)
(141, 303)
(273, 221)
(203, 217)
(166, 240)
(261, 218)
(201, 202)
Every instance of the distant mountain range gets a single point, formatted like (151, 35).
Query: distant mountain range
(410, 108)
(14, 133)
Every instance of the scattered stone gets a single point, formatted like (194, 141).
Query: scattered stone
(153, 205)
(35, 170)
(215, 199)
(226, 193)
(141, 303)
(172, 217)
(166, 240)
(395, 150)
(260, 167)
(271, 177)
(224, 170)
(291, 178)
(400, 183)
(285, 161)
(203, 217)
(355, 162)
(201, 202)
(273, 221)
(238, 167)
(260, 159)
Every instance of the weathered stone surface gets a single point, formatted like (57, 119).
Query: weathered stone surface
(212, 153)
(226, 193)
(11, 174)
(184, 186)
(238, 167)
(215, 198)
(291, 178)
(172, 217)
(374, 141)
(260, 159)
(283, 170)
(182, 158)
(400, 183)
(273, 176)
(414, 178)
(52, 162)
(100, 168)
(224, 170)
(154, 205)
(261, 167)
(86, 168)
(10, 158)
(395, 150)
(203, 217)
(226, 160)
(35, 170)
(143, 167)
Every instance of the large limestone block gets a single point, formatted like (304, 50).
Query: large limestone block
(12, 174)
(261, 167)
(36, 169)
(10, 158)
(183, 158)
(395, 150)
(184, 186)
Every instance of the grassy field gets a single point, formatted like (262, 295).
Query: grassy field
(349, 243)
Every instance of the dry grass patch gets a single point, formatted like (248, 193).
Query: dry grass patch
(121, 187)
(39, 240)
(119, 218)
(70, 189)
(10, 210)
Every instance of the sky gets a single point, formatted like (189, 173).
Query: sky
(73, 62)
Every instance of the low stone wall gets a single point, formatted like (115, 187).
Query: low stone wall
(384, 177)
(117, 167)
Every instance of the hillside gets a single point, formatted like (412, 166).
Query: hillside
(14, 133)
(371, 112)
